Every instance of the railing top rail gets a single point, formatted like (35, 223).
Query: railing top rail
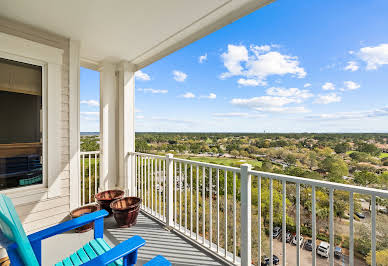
(212, 165)
(89, 152)
(148, 155)
(321, 183)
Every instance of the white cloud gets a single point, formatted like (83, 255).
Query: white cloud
(90, 116)
(210, 96)
(171, 120)
(328, 98)
(202, 58)
(328, 86)
(350, 86)
(260, 64)
(179, 75)
(90, 102)
(288, 110)
(140, 75)
(240, 115)
(352, 115)
(263, 101)
(297, 94)
(375, 56)
(188, 95)
(140, 117)
(307, 85)
(153, 91)
(250, 82)
(352, 66)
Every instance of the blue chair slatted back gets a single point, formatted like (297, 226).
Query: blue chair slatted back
(12, 229)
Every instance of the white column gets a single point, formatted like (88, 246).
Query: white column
(108, 126)
(74, 123)
(126, 127)
(246, 212)
(170, 190)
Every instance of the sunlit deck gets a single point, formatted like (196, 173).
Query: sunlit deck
(158, 241)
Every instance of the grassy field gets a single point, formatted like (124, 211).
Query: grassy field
(226, 161)
(383, 155)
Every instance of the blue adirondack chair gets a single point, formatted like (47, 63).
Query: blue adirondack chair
(26, 250)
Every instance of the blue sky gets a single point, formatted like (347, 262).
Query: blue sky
(292, 66)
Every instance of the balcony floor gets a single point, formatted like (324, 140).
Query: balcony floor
(158, 242)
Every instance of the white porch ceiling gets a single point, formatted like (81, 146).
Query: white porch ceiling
(137, 31)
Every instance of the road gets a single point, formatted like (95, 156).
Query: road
(306, 256)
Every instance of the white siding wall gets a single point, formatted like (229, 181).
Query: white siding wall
(36, 211)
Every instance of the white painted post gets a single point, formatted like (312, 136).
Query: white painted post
(126, 127)
(246, 212)
(170, 190)
(108, 126)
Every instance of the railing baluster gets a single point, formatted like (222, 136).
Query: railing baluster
(298, 224)
(191, 200)
(234, 218)
(351, 230)
(180, 196)
(218, 209)
(90, 178)
(141, 181)
(95, 175)
(164, 189)
(226, 211)
(284, 220)
(314, 230)
(175, 206)
(331, 226)
(259, 218)
(197, 210)
(210, 208)
(373, 210)
(270, 221)
(149, 184)
(160, 188)
(185, 182)
(152, 185)
(83, 178)
(203, 205)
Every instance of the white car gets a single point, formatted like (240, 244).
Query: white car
(323, 249)
(295, 240)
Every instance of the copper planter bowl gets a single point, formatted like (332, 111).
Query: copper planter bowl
(126, 210)
(82, 211)
(105, 198)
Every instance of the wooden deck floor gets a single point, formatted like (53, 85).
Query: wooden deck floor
(158, 242)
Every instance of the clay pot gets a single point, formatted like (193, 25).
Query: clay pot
(126, 210)
(105, 198)
(83, 211)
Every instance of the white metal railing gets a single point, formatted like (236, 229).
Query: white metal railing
(189, 197)
(89, 166)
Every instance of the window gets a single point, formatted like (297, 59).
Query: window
(20, 124)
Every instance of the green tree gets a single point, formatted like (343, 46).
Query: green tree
(365, 178)
(369, 148)
(342, 147)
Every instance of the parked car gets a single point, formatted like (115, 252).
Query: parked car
(276, 232)
(360, 215)
(308, 245)
(338, 252)
(265, 260)
(323, 249)
(288, 237)
(295, 240)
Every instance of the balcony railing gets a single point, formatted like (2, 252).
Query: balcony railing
(189, 197)
(89, 166)
(221, 208)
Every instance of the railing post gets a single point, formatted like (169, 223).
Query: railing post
(246, 233)
(170, 190)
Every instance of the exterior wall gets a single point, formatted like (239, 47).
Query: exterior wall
(36, 209)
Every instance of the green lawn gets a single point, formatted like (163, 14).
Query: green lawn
(226, 161)
(383, 155)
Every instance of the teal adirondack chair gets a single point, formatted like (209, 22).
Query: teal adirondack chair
(26, 250)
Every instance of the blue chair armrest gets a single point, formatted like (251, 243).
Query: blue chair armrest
(128, 247)
(158, 260)
(67, 226)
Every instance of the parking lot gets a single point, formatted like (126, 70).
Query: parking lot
(306, 256)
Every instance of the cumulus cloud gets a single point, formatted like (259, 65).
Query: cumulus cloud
(140, 75)
(239, 115)
(188, 95)
(352, 66)
(288, 110)
(295, 93)
(202, 58)
(328, 98)
(258, 63)
(90, 116)
(307, 85)
(210, 96)
(328, 86)
(93, 103)
(352, 115)
(251, 82)
(350, 86)
(179, 75)
(374, 57)
(153, 91)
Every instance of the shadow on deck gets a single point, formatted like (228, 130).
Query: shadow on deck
(158, 242)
